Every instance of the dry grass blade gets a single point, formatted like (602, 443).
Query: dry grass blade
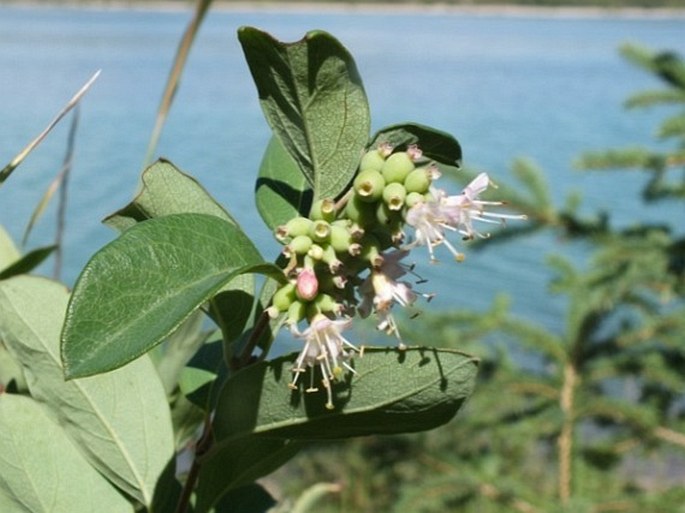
(201, 8)
(59, 183)
(9, 168)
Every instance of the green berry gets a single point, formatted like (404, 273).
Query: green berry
(326, 303)
(418, 180)
(293, 228)
(413, 198)
(296, 312)
(369, 185)
(284, 297)
(320, 231)
(397, 167)
(315, 252)
(360, 212)
(323, 210)
(341, 238)
(329, 257)
(385, 216)
(393, 196)
(298, 226)
(371, 250)
(300, 245)
(372, 159)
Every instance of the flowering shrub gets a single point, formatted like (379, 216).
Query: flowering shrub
(348, 210)
(364, 232)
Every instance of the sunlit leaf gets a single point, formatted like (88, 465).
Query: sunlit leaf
(119, 420)
(313, 98)
(139, 288)
(42, 471)
(392, 391)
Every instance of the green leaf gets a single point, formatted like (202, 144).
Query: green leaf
(11, 374)
(171, 357)
(282, 191)
(393, 391)
(435, 144)
(8, 251)
(252, 498)
(314, 100)
(41, 471)
(202, 377)
(139, 288)
(27, 263)
(120, 420)
(239, 463)
(166, 190)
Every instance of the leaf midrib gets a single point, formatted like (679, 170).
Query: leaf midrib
(265, 428)
(99, 415)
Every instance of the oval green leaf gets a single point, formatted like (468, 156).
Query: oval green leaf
(313, 99)
(120, 420)
(166, 190)
(393, 391)
(139, 288)
(42, 471)
(281, 191)
(237, 464)
(435, 144)
(27, 263)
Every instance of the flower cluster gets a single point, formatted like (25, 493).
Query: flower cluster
(346, 257)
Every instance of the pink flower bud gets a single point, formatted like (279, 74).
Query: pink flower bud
(307, 284)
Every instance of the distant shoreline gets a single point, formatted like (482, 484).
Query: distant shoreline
(505, 10)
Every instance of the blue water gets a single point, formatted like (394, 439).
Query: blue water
(539, 86)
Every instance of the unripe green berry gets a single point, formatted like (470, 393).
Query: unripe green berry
(340, 239)
(371, 251)
(413, 198)
(320, 231)
(293, 228)
(284, 297)
(369, 185)
(296, 312)
(325, 303)
(393, 195)
(323, 210)
(315, 252)
(298, 226)
(329, 257)
(386, 216)
(418, 180)
(300, 245)
(372, 159)
(397, 166)
(361, 212)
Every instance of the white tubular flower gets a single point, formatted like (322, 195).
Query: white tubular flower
(327, 348)
(382, 289)
(465, 208)
(430, 220)
(456, 213)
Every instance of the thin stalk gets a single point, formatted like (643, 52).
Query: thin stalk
(203, 445)
(63, 189)
(565, 440)
(201, 8)
(670, 435)
(206, 439)
(9, 168)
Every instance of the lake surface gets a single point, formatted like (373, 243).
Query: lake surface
(544, 87)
